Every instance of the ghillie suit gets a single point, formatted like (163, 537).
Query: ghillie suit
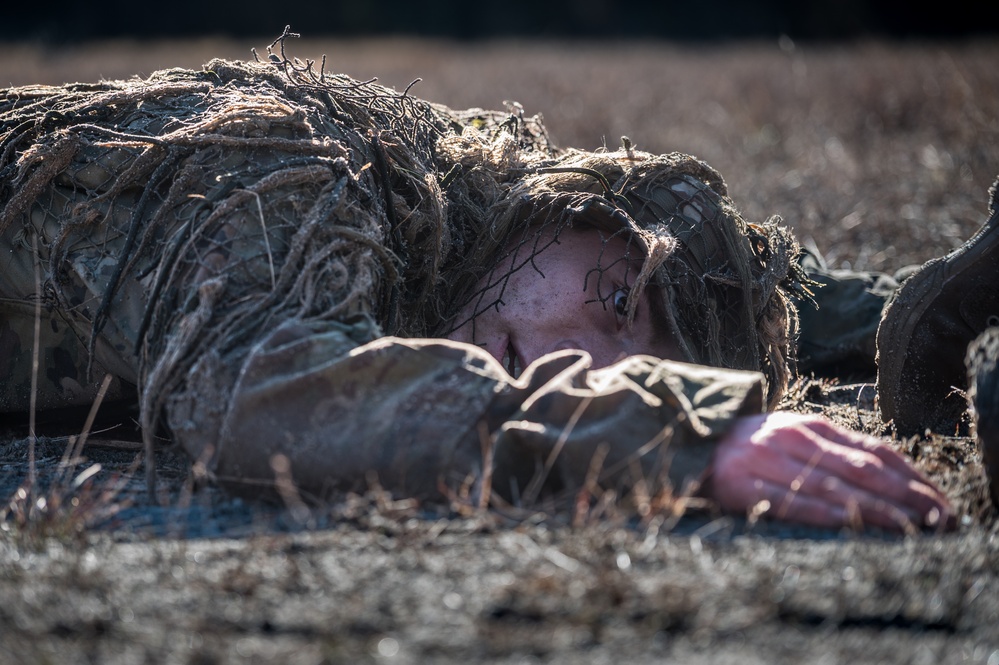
(198, 232)
(330, 189)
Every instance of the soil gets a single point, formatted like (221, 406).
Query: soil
(878, 153)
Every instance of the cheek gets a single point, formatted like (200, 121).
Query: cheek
(569, 309)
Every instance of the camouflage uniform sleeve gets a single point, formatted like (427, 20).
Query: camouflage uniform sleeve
(640, 420)
(423, 415)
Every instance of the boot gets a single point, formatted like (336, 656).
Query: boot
(983, 394)
(926, 328)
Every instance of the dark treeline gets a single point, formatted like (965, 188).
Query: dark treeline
(73, 20)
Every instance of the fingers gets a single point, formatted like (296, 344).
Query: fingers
(809, 470)
(861, 510)
(793, 489)
(897, 503)
(846, 437)
(862, 464)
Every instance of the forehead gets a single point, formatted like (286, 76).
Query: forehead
(602, 250)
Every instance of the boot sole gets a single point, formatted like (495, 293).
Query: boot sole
(899, 372)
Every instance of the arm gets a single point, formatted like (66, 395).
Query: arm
(422, 412)
(339, 410)
(425, 413)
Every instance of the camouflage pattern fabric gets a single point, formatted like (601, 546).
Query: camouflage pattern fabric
(62, 363)
(236, 244)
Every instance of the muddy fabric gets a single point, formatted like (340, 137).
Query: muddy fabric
(234, 245)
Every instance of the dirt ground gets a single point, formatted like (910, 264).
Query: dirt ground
(879, 154)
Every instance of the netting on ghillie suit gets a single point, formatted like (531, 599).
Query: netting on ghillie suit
(720, 286)
(190, 210)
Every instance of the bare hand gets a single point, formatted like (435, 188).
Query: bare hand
(806, 469)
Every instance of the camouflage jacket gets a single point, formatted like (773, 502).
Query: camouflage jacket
(234, 271)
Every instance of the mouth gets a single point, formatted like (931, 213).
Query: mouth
(511, 361)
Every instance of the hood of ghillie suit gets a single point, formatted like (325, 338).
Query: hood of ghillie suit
(724, 283)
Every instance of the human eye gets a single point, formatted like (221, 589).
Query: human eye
(619, 302)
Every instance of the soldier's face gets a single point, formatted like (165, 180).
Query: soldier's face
(572, 297)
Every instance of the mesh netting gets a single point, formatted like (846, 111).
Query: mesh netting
(722, 283)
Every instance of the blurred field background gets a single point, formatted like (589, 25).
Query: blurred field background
(878, 150)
